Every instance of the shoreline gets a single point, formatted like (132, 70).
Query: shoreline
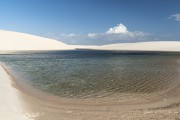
(35, 107)
(13, 107)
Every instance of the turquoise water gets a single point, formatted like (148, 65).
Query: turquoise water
(97, 74)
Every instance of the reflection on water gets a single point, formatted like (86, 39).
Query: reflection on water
(105, 75)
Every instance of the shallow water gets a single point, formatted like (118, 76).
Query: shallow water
(98, 75)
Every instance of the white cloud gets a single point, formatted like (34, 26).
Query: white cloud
(176, 17)
(116, 34)
(121, 33)
(71, 35)
(120, 28)
(92, 35)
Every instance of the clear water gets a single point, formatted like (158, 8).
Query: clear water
(104, 75)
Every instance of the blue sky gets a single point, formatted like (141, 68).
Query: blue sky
(93, 21)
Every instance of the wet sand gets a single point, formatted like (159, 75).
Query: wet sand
(20, 102)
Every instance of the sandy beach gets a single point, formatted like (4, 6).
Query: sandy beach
(18, 103)
(12, 105)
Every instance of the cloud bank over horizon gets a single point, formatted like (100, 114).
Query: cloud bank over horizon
(175, 17)
(117, 34)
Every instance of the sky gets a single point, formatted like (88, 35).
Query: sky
(94, 22)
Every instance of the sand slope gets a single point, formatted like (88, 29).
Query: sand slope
(21, 41)
(10, 41)
(11, 103)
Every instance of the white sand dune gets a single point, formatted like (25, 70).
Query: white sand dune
(21, 41)
(10, 41)
(143, 46)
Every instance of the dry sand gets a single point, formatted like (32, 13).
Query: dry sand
(143, 46)
(10, 41)
(19, 103)
(13, 41)
(11, 104)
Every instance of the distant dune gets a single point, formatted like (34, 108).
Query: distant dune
(21, 41)
(143, 46)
